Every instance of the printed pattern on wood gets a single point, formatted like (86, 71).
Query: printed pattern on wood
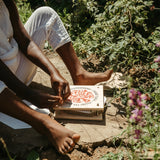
(84, 97)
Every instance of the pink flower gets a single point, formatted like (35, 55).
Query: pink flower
(144, 97)
(146, 107)
(132, 93)
(132, 90)
(152, 8)
(137, 133)
(137, 115)
(139, 93)
(158, 44)
(139, 103)
(130, 102)
(157, 59)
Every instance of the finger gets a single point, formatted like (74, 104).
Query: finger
(60, 89)
(66, 92)
(53, 101)
(51, 105)
(58, 102)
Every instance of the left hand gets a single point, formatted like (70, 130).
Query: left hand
(61, 86)
(44, 100)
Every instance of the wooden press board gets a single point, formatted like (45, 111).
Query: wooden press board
(79, 115)
(84, 97)
(86, 102)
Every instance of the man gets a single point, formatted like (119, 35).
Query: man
(20, 54)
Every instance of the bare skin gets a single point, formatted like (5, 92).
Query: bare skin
(79, 75)
(62, 139)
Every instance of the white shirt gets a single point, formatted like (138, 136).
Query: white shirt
(8, 46)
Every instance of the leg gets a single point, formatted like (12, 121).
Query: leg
(79, 75)
(61, 43)
(45, 24)
(62, 139)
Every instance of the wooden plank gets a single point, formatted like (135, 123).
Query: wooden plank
(84, 97)
(78, 115)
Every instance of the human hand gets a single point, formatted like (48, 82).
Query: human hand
(44, 100)
(61, 87)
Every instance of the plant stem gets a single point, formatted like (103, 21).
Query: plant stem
(5, 147)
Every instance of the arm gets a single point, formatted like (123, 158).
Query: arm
(32, 52)
(25, 43)
(41, 100)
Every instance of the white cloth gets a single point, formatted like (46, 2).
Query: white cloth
(43, 25)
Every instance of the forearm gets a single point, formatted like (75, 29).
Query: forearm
(13, 106)
(13, 82)
(25, 43)
(38, 58)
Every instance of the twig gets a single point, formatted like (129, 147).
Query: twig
(5, 147)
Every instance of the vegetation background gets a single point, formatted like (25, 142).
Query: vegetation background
(123, 35)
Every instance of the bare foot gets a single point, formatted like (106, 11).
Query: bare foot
(62, 139)
(89, 78)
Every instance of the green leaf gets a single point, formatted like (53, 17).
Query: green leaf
(154, 65)
(33, 155)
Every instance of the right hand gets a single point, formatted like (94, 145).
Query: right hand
(60, 86)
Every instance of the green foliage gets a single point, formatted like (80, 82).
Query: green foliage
(112, 156)
(36, 3)
(33, 155)
(24, 10)
(122, 34)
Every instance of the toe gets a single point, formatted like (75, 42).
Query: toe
(76, 137)
(67, 146)
(60, 150)
(64, 150)
(70, 142)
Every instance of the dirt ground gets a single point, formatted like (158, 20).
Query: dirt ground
(82, 151)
